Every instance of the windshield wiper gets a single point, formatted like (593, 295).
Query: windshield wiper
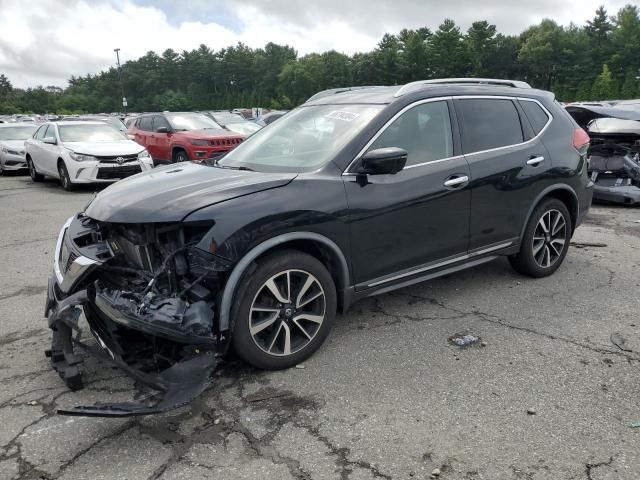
(216, 163)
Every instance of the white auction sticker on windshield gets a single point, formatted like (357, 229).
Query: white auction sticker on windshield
(341, 115)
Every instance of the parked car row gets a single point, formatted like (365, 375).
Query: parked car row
(102, 148)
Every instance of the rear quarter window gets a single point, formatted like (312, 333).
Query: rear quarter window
(488, 123)
(536, 115)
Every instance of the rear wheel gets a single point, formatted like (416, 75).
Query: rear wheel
(35, 176)
(546, 240)
(284, 310)
(65, 180)
(180, 156)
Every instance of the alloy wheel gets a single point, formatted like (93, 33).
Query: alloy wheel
(32, 169)
(287, 312)
(549, 238)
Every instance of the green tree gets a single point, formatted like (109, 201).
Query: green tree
(631, 87)
(604, 86)
(448, 52)
(482, 46)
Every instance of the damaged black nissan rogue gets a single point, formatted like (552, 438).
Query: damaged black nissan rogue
(357, 192)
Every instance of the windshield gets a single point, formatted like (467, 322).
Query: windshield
(90, 133)
(17, 133)
(191, 121)
(302, 140)
(244, 128)
(228, 117)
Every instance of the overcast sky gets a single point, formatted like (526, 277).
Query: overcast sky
(44, 42)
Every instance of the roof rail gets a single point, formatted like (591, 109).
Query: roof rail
(334, 91)
(413, 86)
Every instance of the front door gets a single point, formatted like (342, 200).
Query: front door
(162, 140)
(418, 216)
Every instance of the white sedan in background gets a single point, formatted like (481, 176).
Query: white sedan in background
(12, 138)
(79, 152)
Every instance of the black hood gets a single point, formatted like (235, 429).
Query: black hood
(170, 193)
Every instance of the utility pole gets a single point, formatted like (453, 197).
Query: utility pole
(124, 99)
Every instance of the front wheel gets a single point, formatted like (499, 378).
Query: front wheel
(180, 156)
(35, 176)
(545, 241)
(284, 310)
(65, 180)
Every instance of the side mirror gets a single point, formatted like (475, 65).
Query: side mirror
(163, 130)
(383, 161)
(50, 140)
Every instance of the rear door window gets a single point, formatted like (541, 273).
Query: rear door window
(487, 123)
(536, 115)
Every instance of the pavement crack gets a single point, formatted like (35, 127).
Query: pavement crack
(590, 466)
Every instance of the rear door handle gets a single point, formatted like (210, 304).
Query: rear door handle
(535, 161)
(456, 181)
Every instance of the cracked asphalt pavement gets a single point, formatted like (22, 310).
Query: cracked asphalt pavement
(553, 394)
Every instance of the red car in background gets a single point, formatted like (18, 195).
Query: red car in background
(178, 137)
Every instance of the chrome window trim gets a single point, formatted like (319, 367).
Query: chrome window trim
(504, 97)
(386, 125)
(455, 97)
(441, 264)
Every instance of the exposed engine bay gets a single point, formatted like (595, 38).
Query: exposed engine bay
(149, 294)
(614, 154)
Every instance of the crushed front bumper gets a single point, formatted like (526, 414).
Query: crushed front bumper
(71, 290)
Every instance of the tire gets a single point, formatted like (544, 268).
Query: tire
(65, 180)
(306, 318)
(180, 156)
(543, 252)
(33, 173)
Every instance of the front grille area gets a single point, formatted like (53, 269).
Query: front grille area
(230, 142)
(114, 158)
(115, 173)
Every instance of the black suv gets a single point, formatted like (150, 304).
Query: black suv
(357, 192)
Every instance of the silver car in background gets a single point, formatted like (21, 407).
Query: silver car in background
(12, 138)
(80, 152)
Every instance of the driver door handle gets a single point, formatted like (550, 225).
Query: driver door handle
(456, 181)
(535, 161)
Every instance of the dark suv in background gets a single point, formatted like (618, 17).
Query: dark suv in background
(178, 137)
(355, 193)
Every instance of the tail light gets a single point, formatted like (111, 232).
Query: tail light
(581, 141)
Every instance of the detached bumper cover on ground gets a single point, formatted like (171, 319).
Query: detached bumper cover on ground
(154, 323)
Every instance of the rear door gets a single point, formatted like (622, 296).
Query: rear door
(144, 134)
(508, 164)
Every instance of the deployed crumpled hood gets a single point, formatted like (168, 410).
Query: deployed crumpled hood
(605, 125)
(583, 114)
(124, 147)
(170, 193)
